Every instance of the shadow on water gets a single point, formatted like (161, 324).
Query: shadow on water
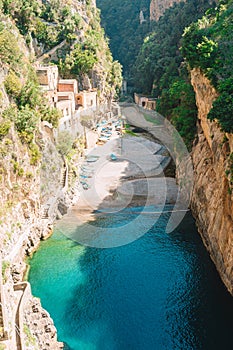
(159, 292)
(205, 304)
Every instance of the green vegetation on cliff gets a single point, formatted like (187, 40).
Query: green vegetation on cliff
(27, 105)
(177, 103)
(75, 27)
(160, 59)
(29, 29)
(160, 69)
(44, 25)
(122, 24)
(207, 44)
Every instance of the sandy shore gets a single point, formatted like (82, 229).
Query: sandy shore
(135, 178)
(137, 158)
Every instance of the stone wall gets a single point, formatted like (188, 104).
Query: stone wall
(212, 201)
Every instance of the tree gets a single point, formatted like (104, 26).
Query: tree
(64, 142)
(80, 60)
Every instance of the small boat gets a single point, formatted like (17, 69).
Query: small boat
(85, 186)
(86, 169)
(85, 176)
(103, 138)
(113, 156)
(91, 159)
(106, 133)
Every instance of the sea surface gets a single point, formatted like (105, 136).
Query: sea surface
(160, 292)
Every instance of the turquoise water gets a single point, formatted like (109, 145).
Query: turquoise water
(159, 292)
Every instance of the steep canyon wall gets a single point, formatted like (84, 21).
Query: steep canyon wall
(212, 201)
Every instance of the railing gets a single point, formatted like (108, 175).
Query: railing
(26, 290)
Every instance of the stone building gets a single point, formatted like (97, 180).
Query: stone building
(65, 106)
(68, 85)
(47, 77)
(145, 101)
(87, 99)
(63, 94)
(69, 97)
(48, 80)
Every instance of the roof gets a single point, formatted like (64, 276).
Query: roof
(45, 68)
(67, 81)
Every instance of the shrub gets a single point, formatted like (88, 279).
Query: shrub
(4, 128)
(208, 44)
(29, 175)
(178, 104)
(222, 110)
(20, 172)
(81, 60)
(12, 84)
(10, 113)
(199, 50)
(9, 50)
(64, 142)
(30, 94)
(45, 34)
(5, 266)
(51, 115)
(23, 12)
(34, 154)
(30, 338)
(40, 30)
(25, 122)
(8, 142)
(15, 166)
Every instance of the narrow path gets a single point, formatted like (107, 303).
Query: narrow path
(16, 320)
(18, 245)
(50, 52)
(21, 289)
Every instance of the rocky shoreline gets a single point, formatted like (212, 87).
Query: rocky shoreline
(23, 228)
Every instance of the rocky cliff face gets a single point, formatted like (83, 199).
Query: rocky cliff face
(91, 38)
(32, 191)
(158, 7)
(22, 226)
(212, 201)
